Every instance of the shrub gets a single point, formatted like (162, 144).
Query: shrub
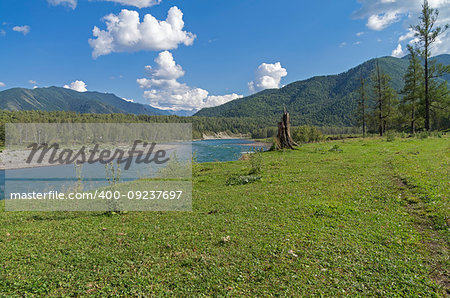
(306, 134)
(275, 144)
(112, 173)
(390, 136)
(175, 168)
(242, 180)
(423, 135)
(256, 162)
(335, 148)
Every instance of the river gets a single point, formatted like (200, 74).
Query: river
(42, 179)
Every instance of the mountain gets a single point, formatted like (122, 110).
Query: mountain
(182, 113)
(321, 100)
(62, 99)
(445, 60)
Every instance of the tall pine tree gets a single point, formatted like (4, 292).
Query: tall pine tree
(413, 89)
(385, 99)
(362, 105)
(427, 34)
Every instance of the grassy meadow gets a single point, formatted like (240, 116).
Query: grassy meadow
(351, 217)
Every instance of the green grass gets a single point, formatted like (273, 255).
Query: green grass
(367, 219)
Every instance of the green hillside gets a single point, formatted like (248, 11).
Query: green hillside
(444, 59)
(321, 100)
(62, 99)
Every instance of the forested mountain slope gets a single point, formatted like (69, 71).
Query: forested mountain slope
(62, 99)
(321, 100)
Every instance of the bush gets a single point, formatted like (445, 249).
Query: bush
(390, 136)
(256, 162)
(306, 134)
(242, 180)
(275, 144)
(422, 135)
(175, 168)
(335, 148)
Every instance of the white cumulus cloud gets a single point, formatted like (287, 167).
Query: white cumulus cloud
(167, 67)
(381, 14)
(32, 82)
(23, 29)
(398, 52)
(382, 21)
(268, 76)
(2, 84)
(165, 92)
(79, 86)
(407, 36)
(126, 33)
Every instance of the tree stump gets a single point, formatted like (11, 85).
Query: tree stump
(284, 133)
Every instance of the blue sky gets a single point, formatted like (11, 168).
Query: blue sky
(48, 43)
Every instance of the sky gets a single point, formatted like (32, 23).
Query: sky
(191, 54)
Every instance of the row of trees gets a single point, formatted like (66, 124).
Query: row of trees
(200, 125)
(305, 133)
(425, 99)
(258, 128)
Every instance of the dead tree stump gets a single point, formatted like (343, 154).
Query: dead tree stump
(284, 133)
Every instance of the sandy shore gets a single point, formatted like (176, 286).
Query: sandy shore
(224, 136)
(258, 144)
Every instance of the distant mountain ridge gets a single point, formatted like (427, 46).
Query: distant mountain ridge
(62, 99)
(320, 100)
